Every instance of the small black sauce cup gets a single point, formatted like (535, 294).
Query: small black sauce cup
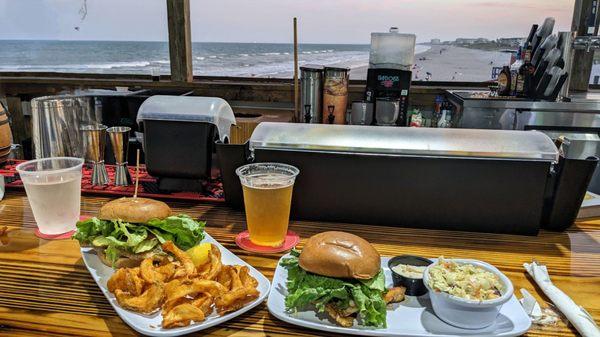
(414, 286)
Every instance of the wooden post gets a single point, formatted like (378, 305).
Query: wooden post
(296, 86)
(180, 40)
(582, 59)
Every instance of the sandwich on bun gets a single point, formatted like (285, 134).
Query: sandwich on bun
(339, 273)
(128, 230)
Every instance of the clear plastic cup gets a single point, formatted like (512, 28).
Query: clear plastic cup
(267, 189)
(53, 187)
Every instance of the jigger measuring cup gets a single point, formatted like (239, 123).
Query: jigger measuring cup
(94, 140)
(119, 139)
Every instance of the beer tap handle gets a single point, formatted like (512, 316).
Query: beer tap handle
(331, 117)
(307, 116)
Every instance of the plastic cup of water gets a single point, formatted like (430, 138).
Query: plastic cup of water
(53, 187)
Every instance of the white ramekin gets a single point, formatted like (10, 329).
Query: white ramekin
(463, 313)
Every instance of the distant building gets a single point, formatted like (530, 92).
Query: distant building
(436, 41)
(482, 40)
(462, 40)
(511, 41)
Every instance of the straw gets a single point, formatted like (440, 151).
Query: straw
(137, 172)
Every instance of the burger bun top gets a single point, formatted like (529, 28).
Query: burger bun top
(340, 255)
(134, 210)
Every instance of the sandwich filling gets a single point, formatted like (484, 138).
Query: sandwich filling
(341, 298)
(122, 239)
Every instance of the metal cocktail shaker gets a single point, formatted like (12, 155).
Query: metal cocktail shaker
(94, 140)
(311, 91)
(119, 139)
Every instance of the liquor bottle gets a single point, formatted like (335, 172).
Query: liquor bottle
(524, 84)
(437, 110)
(528, 43)
(514, 71)
(504, 82)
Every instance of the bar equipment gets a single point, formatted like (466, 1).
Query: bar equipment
(335, 95)
(94, 140)
(387, 110)
(362, 113)
(179, 134)
(56, 124)
(389, 75)
(481, 180)
(119, 139)
(311, 91)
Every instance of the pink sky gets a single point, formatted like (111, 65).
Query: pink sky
(320, 21)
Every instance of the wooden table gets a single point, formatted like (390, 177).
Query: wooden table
(46, 290)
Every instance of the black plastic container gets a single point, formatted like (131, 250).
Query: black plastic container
(179, 153)
(230, 157)
(414, 286)
(179, 138)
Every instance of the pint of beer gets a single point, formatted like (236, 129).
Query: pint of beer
(267, 191)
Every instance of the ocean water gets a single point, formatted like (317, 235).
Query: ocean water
(134, 57)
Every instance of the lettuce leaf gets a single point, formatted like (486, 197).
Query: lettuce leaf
(119, 236)
(306, 289)
(185, 231)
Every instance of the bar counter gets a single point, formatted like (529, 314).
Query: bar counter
(46, 290)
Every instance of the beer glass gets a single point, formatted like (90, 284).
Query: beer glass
(267, 189)
(53, 187)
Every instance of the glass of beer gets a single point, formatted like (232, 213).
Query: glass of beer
(267, 191)
(53, 187)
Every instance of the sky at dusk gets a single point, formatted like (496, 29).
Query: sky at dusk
(320, 21)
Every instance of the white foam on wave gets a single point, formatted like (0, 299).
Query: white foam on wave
(115, 65)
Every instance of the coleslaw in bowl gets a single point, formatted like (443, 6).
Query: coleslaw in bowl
(466, 293)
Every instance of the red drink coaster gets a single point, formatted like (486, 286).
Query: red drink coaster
(61, 236)
(243, 241)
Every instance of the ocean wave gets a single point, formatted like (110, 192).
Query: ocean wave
(115, 65)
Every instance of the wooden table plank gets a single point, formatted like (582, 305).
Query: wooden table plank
(46, 290)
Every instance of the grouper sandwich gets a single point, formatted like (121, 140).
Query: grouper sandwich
(128, 230)
(340, 274)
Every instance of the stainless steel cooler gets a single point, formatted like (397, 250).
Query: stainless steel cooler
(473, 180)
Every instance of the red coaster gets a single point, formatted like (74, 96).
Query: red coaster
(61, 236)
(243, 241)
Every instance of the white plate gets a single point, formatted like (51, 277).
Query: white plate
(151, 324)
(413, 317)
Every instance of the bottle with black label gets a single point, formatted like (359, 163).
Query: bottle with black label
(504, 82)
(525, 76)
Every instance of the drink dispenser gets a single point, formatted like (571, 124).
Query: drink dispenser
(311, 87)
(388, 79)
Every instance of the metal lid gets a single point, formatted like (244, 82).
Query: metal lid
(336, 69)
(500, 144)
(312, 67)
(211, 110)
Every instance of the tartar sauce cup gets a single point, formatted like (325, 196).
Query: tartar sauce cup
(414, 286)
(464, 313)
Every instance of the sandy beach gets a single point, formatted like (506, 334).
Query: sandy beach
(449, 63)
